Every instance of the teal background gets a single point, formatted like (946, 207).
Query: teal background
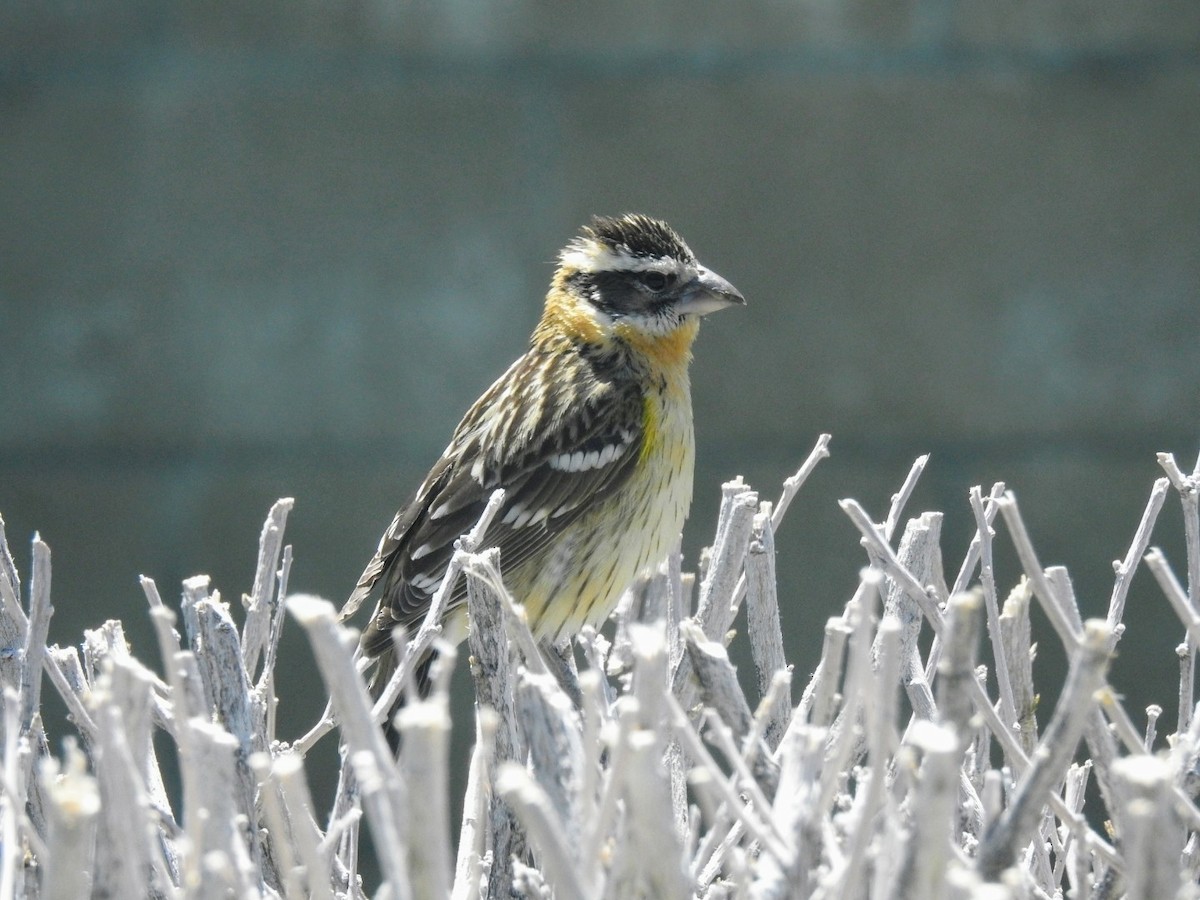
(252, 250)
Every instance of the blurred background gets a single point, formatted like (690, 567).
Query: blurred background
(264, 249)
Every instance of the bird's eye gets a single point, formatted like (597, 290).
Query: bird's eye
(655, 281)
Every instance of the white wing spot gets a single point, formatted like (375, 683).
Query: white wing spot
(423, 550)
(519, 515)
(593, 459)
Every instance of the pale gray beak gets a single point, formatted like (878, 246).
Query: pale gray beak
(706, 293)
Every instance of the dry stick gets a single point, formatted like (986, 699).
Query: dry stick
(956, 670)
(1051, 602)
(123, 859)
(257, 628)
(134, 688)
(385, 798)
(10, 860)
(719, 688)
(791, 487)
(763, 831)
(1000, 844)
(1074, 794)
(767, 712)
(957, 667)
(1156, 561)
(792, 484)
(1060, 583)
(1102, 746)
(556, 854)
(816, 703)
(288, 773)
(10, 581)
(13, 622)
(763, 627)
(295, 842)
(901, 497)
(35, 635)
(1017, 645)
(489, 612)
(927, 853)
(719, 734)
(890, 564)
(651, 854)
(1149, 829)
(471, 835)
(974, 549)
(595, 716)
(919, 553)
(550, 726)
(430, 630)
(431, 625)
(608, 807)
(72, 807)
(650, 827)
(15, 802)
(424, 727)
(227, 686)
(983, 704)
(965, 571)
(1174, 592)
(1053, 588)
(1189, 498)
(715, 610)
(1124, 569)
(1123, 725)
(877, 549)
(265, 689)
(984, 534)
(14, 630)
(881, 723)
(1153, 711)
(842, 737)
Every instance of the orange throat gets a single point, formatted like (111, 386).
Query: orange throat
(666, 352)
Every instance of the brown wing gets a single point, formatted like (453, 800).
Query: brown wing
(577, 442)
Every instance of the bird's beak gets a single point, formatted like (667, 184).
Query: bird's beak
(706, 293)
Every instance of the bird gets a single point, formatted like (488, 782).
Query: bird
(590, 435)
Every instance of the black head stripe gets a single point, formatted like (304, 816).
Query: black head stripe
(639, 236)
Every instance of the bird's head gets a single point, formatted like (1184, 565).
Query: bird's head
(633, 277)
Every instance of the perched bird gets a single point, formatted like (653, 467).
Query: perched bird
(589, 433)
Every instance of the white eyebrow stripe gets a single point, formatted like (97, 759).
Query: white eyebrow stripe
(593, 257)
